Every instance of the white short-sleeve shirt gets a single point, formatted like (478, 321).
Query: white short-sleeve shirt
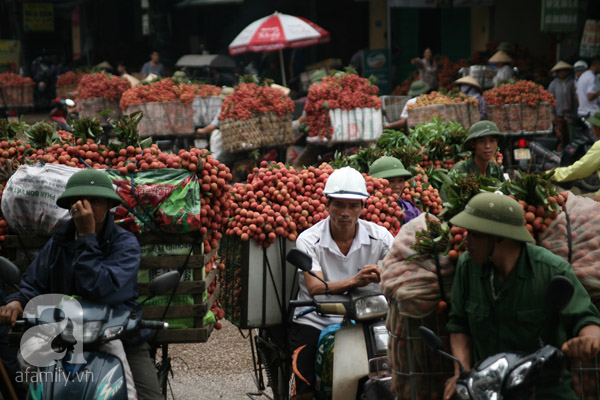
(586, 84)
(404, 113)
(370, 245)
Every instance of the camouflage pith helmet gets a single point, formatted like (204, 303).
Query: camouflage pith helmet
(388, 167)
(496, 215)
(481, 129)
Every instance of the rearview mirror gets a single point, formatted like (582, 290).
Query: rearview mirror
(432, 340)
(299, 259)
(559, 293)
(164, 283)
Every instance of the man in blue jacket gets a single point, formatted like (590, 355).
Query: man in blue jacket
(93, 258)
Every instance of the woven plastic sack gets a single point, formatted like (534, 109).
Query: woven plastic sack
(164, 119)
(584, 219)
(165, 200)
(413, 283)
(205, 109)
(29, 198)
(92, 107)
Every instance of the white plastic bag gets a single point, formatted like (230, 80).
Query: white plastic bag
(205, 109)
(29, 199)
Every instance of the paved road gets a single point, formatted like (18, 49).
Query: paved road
(218, 369)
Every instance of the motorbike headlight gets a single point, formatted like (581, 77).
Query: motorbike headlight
(370, 307)
(90, 332)
(517, 376)
(112, 332)
(487, 383)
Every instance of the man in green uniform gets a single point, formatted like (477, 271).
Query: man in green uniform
(393, 170)
(483, 140)
(498, 295)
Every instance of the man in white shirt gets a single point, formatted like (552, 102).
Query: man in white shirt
(417, 88)
(587, 90)
(345, 251)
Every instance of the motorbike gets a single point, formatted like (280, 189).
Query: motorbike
(579, 145)
(360, 364)
(60, 111)
(45, 70)
(85, 371)
(511, 375)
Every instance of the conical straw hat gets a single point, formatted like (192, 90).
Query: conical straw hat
(561, 65)
(500, 56)
(104, 65)
(468, 80)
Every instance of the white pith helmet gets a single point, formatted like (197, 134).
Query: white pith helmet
(346, 183)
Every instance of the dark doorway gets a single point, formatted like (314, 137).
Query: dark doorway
(430, 30)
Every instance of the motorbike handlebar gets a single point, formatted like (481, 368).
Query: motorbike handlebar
(302, 303)
(154, 324)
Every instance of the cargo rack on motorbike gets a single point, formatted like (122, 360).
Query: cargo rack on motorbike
(257, 285)
(418, 373)
(21, 249)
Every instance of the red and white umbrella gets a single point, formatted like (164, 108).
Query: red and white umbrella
(277, 32)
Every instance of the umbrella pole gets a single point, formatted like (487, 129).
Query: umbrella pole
(282, 67)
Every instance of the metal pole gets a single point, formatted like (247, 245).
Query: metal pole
(389, 42)
(282, 67)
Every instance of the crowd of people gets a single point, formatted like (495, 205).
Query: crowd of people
(500, 281)
(575, 87)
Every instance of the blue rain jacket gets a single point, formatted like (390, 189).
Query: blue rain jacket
(101, 269)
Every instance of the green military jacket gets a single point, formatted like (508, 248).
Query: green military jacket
(468, 167)
(511, 322)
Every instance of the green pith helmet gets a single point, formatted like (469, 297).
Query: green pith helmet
(87, 183)
(505, 47)
(388, 167)
(595, 119)
(318, 76)
(496, 215)
(418, 88)
(481, 129)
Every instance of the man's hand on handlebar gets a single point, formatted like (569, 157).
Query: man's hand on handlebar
(585, 346)
(368, 274)
(581, 348)
(450, 387)
(10, 312)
